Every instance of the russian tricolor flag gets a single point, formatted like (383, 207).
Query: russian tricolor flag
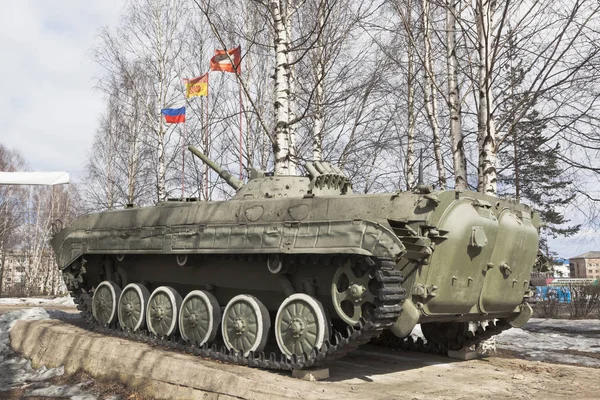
(174, 115)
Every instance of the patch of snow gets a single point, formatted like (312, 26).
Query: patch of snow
(553, 339)
(549, 340)
(73, 392)
(8, 320)
(568, 325)
(16, 371)
(66, 301)
(417, 332)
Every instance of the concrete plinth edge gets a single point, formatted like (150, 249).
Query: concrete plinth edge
(463, 354)
(153, 372)
(311, 374)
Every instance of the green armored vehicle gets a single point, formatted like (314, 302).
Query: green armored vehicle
(294, 271)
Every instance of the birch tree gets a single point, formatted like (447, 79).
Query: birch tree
(407, 17)
(453, 99)
(26, 215)
(430, 95)
(283, 150)
(320, 71)
(486, 131)
(11, 200)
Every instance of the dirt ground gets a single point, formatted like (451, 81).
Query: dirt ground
(376, 373)
(390, 375)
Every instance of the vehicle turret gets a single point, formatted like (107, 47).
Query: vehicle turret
(323, 179)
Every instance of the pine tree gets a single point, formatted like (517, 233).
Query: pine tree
(535, 175)
(531, 171)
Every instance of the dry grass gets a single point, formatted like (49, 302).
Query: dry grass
(100, 389)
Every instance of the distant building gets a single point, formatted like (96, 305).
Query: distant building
(13, 271)
(586, 265)
(14, 267)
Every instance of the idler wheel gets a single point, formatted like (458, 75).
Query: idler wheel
(351, 295)
(451, 334)
(104, 302)
(163, 310)
(246, 323)
(301, 324)
(132, 306)
(199, 317)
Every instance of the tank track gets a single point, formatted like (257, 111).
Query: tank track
(482, 333)
(388, 308)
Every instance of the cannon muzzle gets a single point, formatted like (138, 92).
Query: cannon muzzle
(224, 174)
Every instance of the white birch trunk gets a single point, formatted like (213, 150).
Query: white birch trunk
(110, 193)
(458, 153)
(162, 96)
(284, 164)
(289, 10)
(484, 15)
(133, 168)
(318, 126)
(410, 147)
(161, 182)
(430, 98)
(136, 128)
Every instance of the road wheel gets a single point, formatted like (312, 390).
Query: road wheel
(301, 324)
(104, 302)
(132, 306)
(163, 311)
(199, 317)
(245, 324)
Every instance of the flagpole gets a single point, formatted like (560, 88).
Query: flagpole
(206, 141)
(241, 112)
(183, 161)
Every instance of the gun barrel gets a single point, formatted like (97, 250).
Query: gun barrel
(224, 174)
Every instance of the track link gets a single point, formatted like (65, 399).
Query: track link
(475, 337)
(389, 298)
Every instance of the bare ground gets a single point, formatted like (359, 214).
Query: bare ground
(376, 373)
(434, 377)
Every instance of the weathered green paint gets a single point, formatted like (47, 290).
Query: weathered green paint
(464, 255)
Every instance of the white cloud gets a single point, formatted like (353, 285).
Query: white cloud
(48, 105)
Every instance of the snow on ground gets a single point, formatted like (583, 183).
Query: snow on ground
(552, 340)
(17, 371)
(555, 340)
(567, 325)
(66, 301)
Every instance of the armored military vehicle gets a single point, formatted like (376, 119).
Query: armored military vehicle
(293, 271)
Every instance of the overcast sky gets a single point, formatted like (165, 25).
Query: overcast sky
(48, 105)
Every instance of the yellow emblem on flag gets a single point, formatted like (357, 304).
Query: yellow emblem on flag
(196, 86)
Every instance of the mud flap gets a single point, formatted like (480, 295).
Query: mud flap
(522, 317)
(407, 320)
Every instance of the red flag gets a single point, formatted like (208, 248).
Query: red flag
(221, 61)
